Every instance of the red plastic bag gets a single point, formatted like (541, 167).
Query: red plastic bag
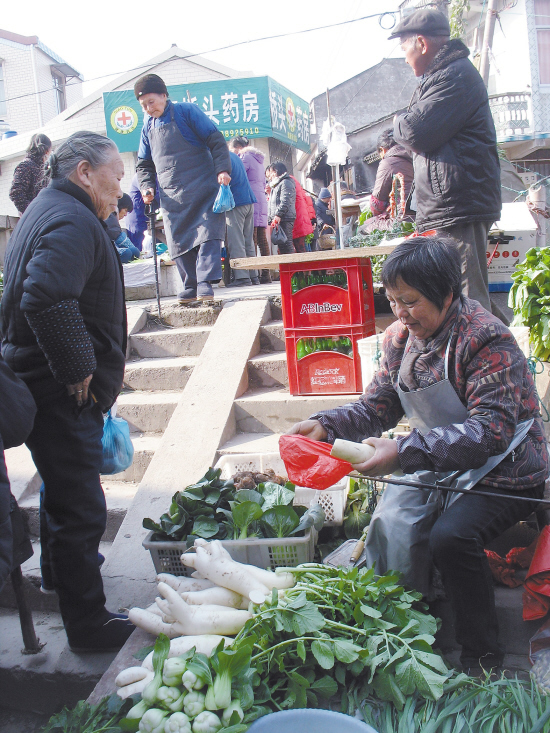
(309, 463)
(536, 589)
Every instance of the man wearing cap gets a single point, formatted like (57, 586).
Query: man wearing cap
(182, 148)
(450, 130)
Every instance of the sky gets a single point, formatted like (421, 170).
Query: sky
(101, 37)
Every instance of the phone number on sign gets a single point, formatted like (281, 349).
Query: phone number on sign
(242, 131)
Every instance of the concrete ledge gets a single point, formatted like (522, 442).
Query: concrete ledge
(201, 422)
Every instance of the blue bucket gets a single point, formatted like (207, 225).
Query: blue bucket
(298, 721)
(8, 133)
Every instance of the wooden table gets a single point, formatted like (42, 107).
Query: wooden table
(272, 262)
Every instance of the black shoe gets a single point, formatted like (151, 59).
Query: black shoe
(241, 282)
(110, 637)
(188, 296)
(255, 280)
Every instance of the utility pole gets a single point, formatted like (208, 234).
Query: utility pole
(337, 191)
(490, 20)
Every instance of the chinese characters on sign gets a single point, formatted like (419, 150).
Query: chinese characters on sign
(256, 107)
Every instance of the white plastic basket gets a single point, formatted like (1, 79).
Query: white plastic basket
(333, 499)
(521, 334)
(268, 553)
(370, 353)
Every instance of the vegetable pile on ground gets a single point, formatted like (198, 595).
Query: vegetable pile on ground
(530, 299)
(217, 509)
(315, 631)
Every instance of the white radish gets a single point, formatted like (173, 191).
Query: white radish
(352, 452)
(215, 563)
(217, 596)
(204, 644)
(206, 619)
(281, 581)
(184, 585)
(133, 680)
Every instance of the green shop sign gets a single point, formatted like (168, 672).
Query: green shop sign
(255, 107)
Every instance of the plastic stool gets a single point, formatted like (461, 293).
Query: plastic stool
(322, 721)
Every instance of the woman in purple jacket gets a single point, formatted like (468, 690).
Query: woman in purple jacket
(253, 160)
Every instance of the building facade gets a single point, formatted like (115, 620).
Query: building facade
(36, 84)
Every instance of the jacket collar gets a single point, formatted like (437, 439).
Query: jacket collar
(451, 51)
(63, 184)
(278, 180)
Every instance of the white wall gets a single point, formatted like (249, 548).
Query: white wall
(19, 82)
(510, 68)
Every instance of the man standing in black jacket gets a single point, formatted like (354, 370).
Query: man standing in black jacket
(451, 132)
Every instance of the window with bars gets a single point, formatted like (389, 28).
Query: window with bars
(542, 23)
(3, 103)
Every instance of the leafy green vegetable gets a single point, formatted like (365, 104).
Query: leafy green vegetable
(275, 495)
(313, 517)
(379, 236)
(279, 521)
(244, 514)
(530, 299)
(205, 527)
(85, 718)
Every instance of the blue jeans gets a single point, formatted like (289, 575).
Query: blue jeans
(457, 542)
(66, 448)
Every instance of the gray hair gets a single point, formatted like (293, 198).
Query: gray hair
(84, 145)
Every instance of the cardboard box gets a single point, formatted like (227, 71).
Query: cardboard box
(518, 229)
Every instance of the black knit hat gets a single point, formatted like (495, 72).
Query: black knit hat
(426, 22)
(149, 84)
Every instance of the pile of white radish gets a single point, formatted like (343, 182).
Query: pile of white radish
(199, 611)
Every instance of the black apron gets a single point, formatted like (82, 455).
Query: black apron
(188, 187)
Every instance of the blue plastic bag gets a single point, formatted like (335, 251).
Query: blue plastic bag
(118, 451)
(224, 200)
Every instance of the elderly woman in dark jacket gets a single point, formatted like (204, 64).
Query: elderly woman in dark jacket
(64, 334)
(458, 374)
(282, 203)
(28, 177)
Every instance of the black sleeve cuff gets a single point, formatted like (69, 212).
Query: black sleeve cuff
(62, 336)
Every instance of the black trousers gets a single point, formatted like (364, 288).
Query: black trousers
(457, 543)
(66, 448)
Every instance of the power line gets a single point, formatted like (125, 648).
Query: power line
(215, 50)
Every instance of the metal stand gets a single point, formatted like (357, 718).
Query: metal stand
(151, 212)
(32, 644)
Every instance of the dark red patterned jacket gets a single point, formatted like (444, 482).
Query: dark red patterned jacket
(28, 181)
(491, 377)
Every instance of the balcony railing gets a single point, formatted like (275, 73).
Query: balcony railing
(512, 115)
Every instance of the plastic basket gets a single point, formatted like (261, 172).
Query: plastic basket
(263, 553)
(370, 353)
(333, 499)
(325, 371)
(327, 294)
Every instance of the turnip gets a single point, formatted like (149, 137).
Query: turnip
(206, 619)
(204, 644)
(133, 680)
(184, 585)
(217, 596)
(215, 563)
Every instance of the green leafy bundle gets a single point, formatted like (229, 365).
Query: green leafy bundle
(85, 718)
(381, 236)
(215, 509)
(467, 706)
(530, 299)
(344, 631)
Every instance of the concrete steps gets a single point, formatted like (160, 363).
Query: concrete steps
(268, 370)
(185, 341)
(147, 412)
(169, 373)
(276, 410)
(251, 443)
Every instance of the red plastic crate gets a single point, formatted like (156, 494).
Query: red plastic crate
(325, 372)
(346, 301)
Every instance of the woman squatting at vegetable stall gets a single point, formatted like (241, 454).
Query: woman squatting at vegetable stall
(459, 376)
